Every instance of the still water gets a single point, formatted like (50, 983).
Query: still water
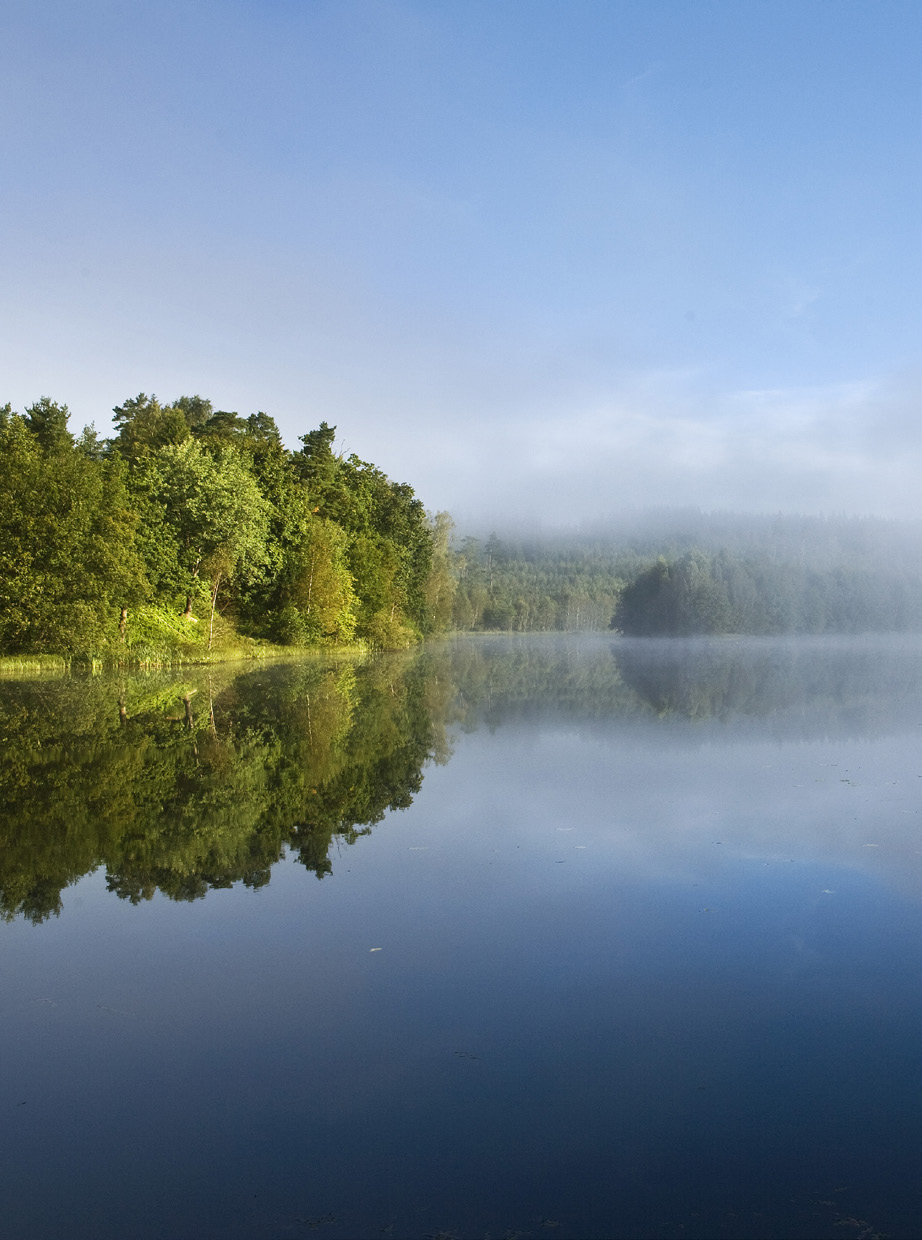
(506, 938)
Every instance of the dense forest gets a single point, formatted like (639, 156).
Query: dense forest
(192, 526)
(194, 532)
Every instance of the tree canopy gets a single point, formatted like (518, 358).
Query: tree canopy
(193, 511)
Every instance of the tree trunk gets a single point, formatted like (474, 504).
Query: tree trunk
(310, 582)
(214, 599)
(187, 614)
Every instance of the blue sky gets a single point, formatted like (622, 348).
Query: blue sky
(543, 260)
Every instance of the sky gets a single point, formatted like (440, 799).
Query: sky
(543, 260)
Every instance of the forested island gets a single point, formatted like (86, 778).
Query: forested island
(194, 534)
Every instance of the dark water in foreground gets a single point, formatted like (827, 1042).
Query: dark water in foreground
(639, 956)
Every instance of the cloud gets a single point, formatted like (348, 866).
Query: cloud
(666, 439)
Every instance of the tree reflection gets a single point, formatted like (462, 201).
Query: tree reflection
(185, 783)
(181, 786)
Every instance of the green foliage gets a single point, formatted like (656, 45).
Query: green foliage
(160, 636)
(759, 575)
(207, 509)
(440, 585)
(195, 409)
(144, 425)
(69, 561)
(195, 510)
(316, 593)
(204, 516)
(534, 587)
(47, 421)
(390, 543)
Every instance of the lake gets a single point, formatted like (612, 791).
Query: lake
(510, 937)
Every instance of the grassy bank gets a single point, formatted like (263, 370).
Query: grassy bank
(158, 638)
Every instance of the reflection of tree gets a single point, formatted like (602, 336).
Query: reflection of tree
(499, 679)
(850, 683)
(836, 683)
(181, 787)
(844, 685)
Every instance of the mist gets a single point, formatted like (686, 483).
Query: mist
(816, 542)
(847, 449)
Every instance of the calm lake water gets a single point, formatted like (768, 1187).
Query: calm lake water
(546, 938)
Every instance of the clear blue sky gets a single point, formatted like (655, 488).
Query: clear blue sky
(541, 259)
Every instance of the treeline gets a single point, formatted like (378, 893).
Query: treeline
(192, 529)
(191, 525)
(680, 574)
(536, 586)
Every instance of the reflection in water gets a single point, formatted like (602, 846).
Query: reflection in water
(804, 686)
(807, 686)
(182, 785)
(186, 783)
(641, 959)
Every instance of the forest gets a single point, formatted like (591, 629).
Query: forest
(685, 573)
(194, 529)
(193, 534)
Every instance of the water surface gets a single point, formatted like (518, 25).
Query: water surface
(507, 936)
